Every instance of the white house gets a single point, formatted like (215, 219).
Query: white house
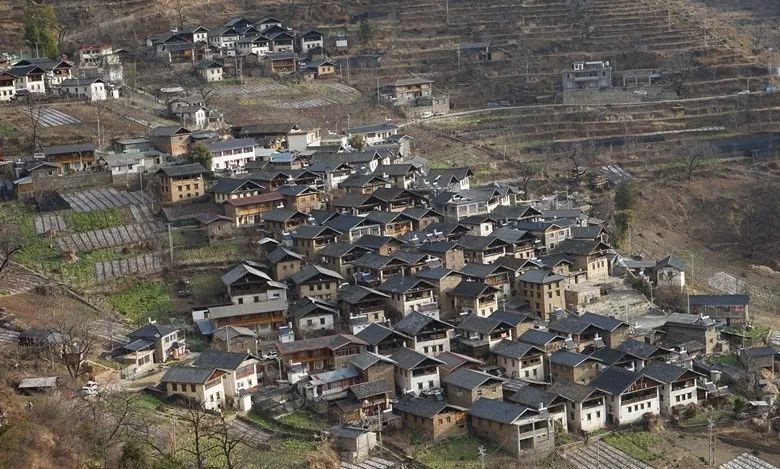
(374, 133)
(313, 314)
(7, 86)
(194, 116)
(29, 77)
(232, 154)
(268, 22)
(97, 55)
(132, 163)
(210, 70)
(679, 384)
(519, 360)
(204, 385)
(630, 395)
(416, 373)
(92, 90)
(240, 369)
(586, 407)
(223, 38)
(258, 46)
(310, 40)
(300, 140)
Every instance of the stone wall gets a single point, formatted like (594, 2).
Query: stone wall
(73, 181)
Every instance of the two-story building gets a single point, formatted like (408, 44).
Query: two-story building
(543, 290)
(232, 155)
(321, 353)
(415, 373)
(204, 385)
(586, 407)
(234, 188)
(248, 211)
(630, 395)
(430, 335)
(384, 340)
(729, 309)
(310, 240)
(72, 157)
(518, 429)
(410, 294)
(316, 282)
(313, 314)
(475, 297)
(239, 368)
(360, 301)
(433, 419)
(678, 384)
(572, 366)
(465, 386)
(181, 183)
(520, 360)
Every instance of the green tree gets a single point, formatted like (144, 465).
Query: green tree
(625, 196)
(624, 219)
(366, 31)
(40, 30)
(357, 142)
(201, 154)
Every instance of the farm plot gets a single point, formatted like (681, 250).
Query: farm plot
(49, 223)
(141, 213)
(253, 90)
(7, 336)
(17, 280)
(48, 117)
(102, 198)
(149, 263)
(307, 103)
(109, 237)
(372, 463)
(342, 88)
(601, 455)
(747, 461)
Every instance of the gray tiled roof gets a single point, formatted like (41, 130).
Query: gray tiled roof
(414, 322)
(339, 249)
(566, 358)
(374, 261)
(672, 260)
(353, 294)
(512, 349)
(281, 253)
(187, 374)
(511, 317)
(220, 360)
(469, 379)
(331, 342)
(435, 274)
(370, 388)
(307, 306)
(374, 241)
(498, 411)
(540, 276)
(663, 372)
(192, 169)
(402, 284)
(312, 271)
(366, 359)
(569, 326)
(151, 332)
(481, 324)
(602, 322)
(615, 380)
(538, 337)
(453, 360)
(408, 359)
(610, 356)
(572, 391)
(637, 349)
(533, 397)
(376, 333)
(421, 406)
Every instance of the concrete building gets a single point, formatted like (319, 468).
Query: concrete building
(518, 429)
(678, 386)
(630, 395)
(586, 407)
(519, 360)
(416, 373)
(587, 76)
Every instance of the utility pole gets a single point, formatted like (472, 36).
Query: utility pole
(710, 427)
(447, 9)
(598, 454)
(705, 32)
(482, 454)
(379, 416)
(170, 242)
(669, 13)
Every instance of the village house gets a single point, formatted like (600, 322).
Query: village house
(281, 63)
(456, 361)
(374, 133)
(612, 331)
(231, 155)
(678, 386)
(519, 360)
(248, 211)
(172, 140)
(352, 227)
(409, 294)
(320, 70)
(586, 406)
(449, 252)
(757, 358)
(384, 340)
(328, 385)
(392, 224)
(357, 301)
(401, 175)
(313, 314)
(642, 352)
(234, 188)
(71, 157)
(284, 263)
(578, 332)
(433, 419)
(630, 395)
(444, 282)
(681, 328)
(301, 198)
(729, 309)
(150, 346)
(430, 335)
(670, 272)
(407, 90)
(483, 249)
(229, 338)
(518, 429)
(572, 366)
(210, 71)
(547, 341)
(364, 400)
(523, 243)
(310, 240)
(93, 89)
(27, 78)
(534, 397)
(339, 257)
(475, 297)
(593, 75)
(374, 367)
(478, 334)
(181, 183)
(382, 245)
(543, 291)
(465, 386)
(588, 256)
(280, 222)
(205, 385)
(240, 370)
(374, 269)
(321, 353)
(255, 45)
(415, 373)
(549, 233)
(316, 282)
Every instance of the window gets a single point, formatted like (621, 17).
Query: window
(322, 321)
(419, 386)
(240, 301)
(309, 322)
(527, 374)
(598, 414)
(257, 299)
(588, 417)
(173, 386)
(192, 387)
(430, 384)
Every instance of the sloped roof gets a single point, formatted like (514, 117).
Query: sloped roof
(453, 360)
(408, 359)
(481, 324)
(498, 411)
(366, 359)
(191, 169)
(370, 388)
(422, 406)
(151, 331)
(330, 342)
(470, 289)
(719, 300)
(312, 271)
(307, 306)
(187, 374)
(221, 360)
(572, 391)
(469, 379)
(230, 185)
(414, 322)
(602, 322)
(672, 260)
(665, 372)
(512, 349)
(280, 253)
(376, 333)
(615, 380)
(533, 397)
(402, 284)
(538, 337)
(240, 271)
(569, 326)
(637, 349)
(540, 276)
(355, 293)
(567, 358)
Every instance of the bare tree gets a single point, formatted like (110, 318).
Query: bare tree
(230, 444)
(72, 341)
(678, 70)
(694, 155)
(759, 36)
(200, 424)
(10, 245)
(759, 219)
(526, 174)
(582, 14)
(34, 110)
(107, 419)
